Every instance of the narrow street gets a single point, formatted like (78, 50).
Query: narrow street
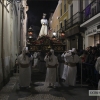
(40, 90)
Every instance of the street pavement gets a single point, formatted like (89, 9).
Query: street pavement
(40, 91)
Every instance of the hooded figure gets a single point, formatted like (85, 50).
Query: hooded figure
(66, 57)
(72, 68)
(52, 64)
(97, 66)
(24, 69)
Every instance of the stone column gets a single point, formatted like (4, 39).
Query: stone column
(77, 40)
(83, 35)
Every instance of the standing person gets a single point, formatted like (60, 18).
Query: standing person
(24, 69)
(61, 65)
(66, 56)
(52, 64)
(72, 68)
(97, 66)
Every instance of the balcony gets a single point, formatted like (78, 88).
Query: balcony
(91, 14)
(71, 26)
(75, 19)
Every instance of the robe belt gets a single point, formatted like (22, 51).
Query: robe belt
(70, 64)
(49, 66)
(44, 24)
(42, 61)
(24, 65)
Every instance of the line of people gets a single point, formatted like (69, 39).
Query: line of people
(52, 66)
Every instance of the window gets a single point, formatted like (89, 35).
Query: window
(96, 39)
(86, 3)
(64, 24)
(60, 25)
(65, 8)
(61, 10)
(93, 11)
(71, 14)
(64, 5)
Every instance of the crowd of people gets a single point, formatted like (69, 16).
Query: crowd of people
(89, 58)
(65, 66)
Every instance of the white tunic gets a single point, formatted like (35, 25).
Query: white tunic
(43, 30)
(65, 71)
(51, 72)
(97, 66)
(72, 71)
(35, 58)
(24, 73)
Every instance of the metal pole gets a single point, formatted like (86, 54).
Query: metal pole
(81, 73)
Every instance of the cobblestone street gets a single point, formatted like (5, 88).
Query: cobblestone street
(40, 91)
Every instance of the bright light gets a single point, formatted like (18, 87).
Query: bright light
(54, 33)
(62, 34)
(30, 36)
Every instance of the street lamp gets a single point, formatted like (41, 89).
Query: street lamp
(54, 35)
(62, 35)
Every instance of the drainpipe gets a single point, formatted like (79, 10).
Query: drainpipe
(2, 46)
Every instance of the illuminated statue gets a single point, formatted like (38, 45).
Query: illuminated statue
(44, 23)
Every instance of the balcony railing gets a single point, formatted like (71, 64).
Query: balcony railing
(91, 10)
(75, 19)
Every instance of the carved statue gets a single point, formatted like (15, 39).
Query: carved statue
(44, 23)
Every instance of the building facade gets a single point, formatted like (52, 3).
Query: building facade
(54, 20)
(72, 28)
(10, 37)
(91, 21)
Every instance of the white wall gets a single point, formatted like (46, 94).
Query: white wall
(1, 74)
(11, 36)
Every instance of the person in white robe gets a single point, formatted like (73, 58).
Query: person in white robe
(61, 65)
(24, 69)
(66, 56)
(72, 68)
(97, 66)
(43, 30)
(52, 64)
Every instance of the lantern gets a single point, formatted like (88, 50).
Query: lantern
(54, 35)
(62, 35)
(30, 33)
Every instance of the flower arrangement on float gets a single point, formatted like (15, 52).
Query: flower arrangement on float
(41, 40)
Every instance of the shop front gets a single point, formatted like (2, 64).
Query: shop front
(92, 35)
(75, 40)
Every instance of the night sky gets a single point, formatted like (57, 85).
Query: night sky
(36, 10)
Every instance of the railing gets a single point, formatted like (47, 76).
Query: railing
(91, 10)
(71, 22)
